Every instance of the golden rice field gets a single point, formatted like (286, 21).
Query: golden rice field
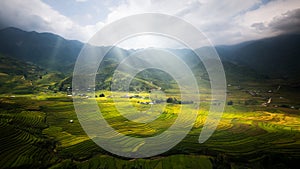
(37, 133)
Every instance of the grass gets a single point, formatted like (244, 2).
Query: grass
(36, 132)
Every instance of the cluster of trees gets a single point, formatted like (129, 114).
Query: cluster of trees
(100, 95)
(175, 101)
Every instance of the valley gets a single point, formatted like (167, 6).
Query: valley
(259, 127)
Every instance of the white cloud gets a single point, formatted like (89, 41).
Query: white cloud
(38, 16)
(256, 23)
(266, 13)
(147, 40)
(213, 17)
(224, 22)
(131, 7)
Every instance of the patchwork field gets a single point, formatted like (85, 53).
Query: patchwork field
(42, 131)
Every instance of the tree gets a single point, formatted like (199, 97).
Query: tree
(170, 100)
(230, 102)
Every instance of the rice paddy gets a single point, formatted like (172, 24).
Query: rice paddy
(37, 133)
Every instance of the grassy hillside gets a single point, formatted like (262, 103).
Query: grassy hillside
(18, 77)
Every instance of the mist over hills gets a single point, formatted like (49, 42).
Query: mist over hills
(276, 57)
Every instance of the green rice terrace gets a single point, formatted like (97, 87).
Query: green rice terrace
(42, 131)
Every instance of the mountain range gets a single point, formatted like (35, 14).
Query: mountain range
(275, 57)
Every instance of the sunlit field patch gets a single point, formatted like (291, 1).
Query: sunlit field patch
(35, 125)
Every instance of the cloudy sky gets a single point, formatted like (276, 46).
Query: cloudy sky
(222, 21)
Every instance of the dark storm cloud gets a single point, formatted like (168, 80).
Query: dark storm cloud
(287, 23)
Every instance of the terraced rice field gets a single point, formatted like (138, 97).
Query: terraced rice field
(37, 133)
(22, 143)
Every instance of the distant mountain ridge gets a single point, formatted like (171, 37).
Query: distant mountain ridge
(275, 57)
(44, 49)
